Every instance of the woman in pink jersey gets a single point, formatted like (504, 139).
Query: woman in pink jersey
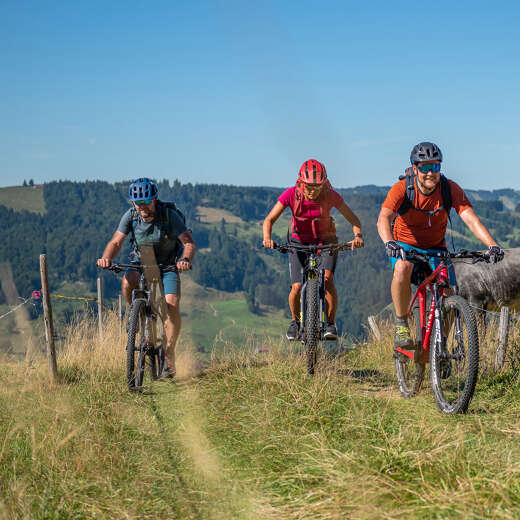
(311, 202)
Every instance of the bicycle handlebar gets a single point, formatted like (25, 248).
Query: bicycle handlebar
(413, 254)
(312, 248)
(117, 268)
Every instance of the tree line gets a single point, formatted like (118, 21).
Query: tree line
(81, 216)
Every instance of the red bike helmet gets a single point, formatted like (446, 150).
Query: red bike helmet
(313, 172)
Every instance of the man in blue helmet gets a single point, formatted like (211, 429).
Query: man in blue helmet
(157, 232)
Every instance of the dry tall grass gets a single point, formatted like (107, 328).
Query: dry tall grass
(250, 435)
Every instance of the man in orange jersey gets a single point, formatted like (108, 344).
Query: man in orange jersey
(420, 206)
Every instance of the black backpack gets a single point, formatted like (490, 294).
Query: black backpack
(164, 221)
(409, 200)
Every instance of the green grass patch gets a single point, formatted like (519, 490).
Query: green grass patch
(23, 198)
(230, 322)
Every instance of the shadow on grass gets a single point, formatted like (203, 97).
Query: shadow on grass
(76, 374)
(375, 377)
(71, 375)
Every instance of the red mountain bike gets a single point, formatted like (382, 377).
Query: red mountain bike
(444, 332)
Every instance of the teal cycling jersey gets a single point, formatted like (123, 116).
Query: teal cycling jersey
(162, 235)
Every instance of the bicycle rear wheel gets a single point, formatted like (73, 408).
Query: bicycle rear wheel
(312, 324)
(454, 363)
(135, 345)
(410, 373)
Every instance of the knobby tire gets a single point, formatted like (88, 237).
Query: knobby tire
(312, 325)
(454, 371)
(136, 321)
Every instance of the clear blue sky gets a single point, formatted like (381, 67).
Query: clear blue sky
(243, 92)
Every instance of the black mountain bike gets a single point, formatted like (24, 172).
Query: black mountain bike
(313, 311)
(145, 328)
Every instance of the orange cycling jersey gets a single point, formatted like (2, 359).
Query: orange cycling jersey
(421, 229)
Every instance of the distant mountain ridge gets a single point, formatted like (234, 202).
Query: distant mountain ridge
(509, 197)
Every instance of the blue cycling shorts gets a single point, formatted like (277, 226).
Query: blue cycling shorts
(434, 262)
(171, 281)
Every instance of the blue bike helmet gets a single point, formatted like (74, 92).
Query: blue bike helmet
(142, 189)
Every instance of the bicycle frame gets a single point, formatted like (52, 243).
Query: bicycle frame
(148, 295)
(150, 326)
(437, 284)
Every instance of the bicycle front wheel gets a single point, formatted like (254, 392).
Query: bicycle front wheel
(454, 360)
(312, 324)
(135, 345)
(410, 373)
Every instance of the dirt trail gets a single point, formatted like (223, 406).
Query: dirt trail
(180, 409)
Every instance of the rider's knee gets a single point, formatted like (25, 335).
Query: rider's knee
(296, 287)
(172, 304)
(329, 281)
(403, 271)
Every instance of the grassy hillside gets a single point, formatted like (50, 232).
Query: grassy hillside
(211, 319)
(214, 319)
(250, 436)
(23, 198)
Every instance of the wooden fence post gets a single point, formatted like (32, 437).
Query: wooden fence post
(47, 316)
(373, 326)
(120, 315)
(503, 333)
(100, 307)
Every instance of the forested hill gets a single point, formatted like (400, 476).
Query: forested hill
(79, 218)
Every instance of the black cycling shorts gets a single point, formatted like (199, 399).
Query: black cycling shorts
(297, 261)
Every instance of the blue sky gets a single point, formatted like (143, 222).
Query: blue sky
(243, 92)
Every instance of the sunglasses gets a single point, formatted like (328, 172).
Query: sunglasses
(145, 202)
(313, 186)
(427, 168)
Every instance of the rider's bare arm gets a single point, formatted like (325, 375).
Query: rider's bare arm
(355, 223)
(267, 227)
(471, 220)
(111, 250)
(189, 251)
(384, 224)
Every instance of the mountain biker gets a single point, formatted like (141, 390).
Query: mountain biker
(423, 226)
(155, 234)
(311, 200)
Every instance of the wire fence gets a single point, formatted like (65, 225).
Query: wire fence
(22, 332)
(24, 302)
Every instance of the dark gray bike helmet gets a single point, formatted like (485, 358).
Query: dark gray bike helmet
(425, 152)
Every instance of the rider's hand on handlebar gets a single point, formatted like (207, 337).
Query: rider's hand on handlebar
(357, 243)
(104, 263)
(268, 243)
(183, 265)
(393, 249)
(495, 254)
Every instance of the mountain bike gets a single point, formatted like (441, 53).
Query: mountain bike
(313, 308)
(145, 328)
(444, 332)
